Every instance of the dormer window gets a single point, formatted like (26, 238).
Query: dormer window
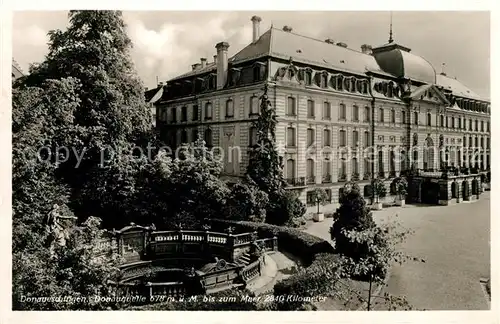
(353, 85)
(308, 77)
(324, 80)
(365, 87)
(340, 83)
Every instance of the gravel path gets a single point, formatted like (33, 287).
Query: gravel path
(453, 241)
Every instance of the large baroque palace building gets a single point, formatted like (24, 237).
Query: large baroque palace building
(333, 103)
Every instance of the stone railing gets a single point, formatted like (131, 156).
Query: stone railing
(269, 244)
(245, 238)
(251, 271)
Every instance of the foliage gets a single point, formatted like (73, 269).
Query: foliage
(41, 118)
(352, 214)
(265, 169)
(284, 207)
(301, 244)
(316, 280)
(379, 190)
(187, 189)
(399, 186)
(107, 112)
(246, 202)
(319, 196)
(264, 166)
(81, 268)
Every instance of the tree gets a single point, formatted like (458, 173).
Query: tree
(41, 126)
(352, 214)
(264, 166)
(81, 268)
(401, 187)
(246, 202)
(381, 247)
(265, 169)
(378, 189)
(319, 196)
(95, 51)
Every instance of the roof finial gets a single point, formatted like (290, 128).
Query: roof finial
(442, 69)
(390, 31)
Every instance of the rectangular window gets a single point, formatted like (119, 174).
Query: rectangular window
(403, 117)
(367, 139)
(355, 113)
(366, 116)
(475, 126)
(184, 114)
(174, 115)
(393, 116)
(310, 136)
(290, 136)
(459, 123)
(327, 110)
(254, 105)
(342, 138)
(327, 138)
(310, 109)
(229, 108)
(381, 115)
(342, 112)
(429, 120)
(482, 126)
(446, 122)
(470, 124)
(290, 106)
(208, 110)
(415, 117)
(355, 138)
(487, 126)
(487, 142)
(195, 113)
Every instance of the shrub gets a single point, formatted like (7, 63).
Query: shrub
(353, 214)
(283, 207)
(316, 280)
(246, 202)
(379, 190)
(295, 241)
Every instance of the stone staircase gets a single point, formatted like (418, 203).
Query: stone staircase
(244, 259)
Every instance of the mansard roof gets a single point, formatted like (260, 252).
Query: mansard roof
(456, 87)
(283, 45)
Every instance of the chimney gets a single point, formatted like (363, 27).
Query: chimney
(366, 49)
(330, 41)
(256, 28)
(221, 64)
(342, 45)
(196, 66)
(215, 59)
(203, 62)
(287, 29)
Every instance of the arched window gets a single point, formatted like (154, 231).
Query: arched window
(324, 80)
(208, 110)
(308, 77)
(355, 169)
(342, 170)
(327, 170)
(340, 83)
(229, 108)
(208, 137)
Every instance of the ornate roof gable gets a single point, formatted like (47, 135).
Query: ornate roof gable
(429, 93)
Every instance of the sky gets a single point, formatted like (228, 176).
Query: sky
(167, 43)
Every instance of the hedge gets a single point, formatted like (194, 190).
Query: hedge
(301, 244)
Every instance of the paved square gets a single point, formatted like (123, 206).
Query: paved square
(453, 240)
